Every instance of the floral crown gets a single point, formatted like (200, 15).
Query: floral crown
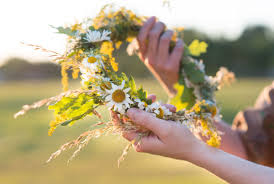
(90, 45)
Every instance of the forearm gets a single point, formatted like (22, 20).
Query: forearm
(231, 168)
(168, 86)
(231, 141)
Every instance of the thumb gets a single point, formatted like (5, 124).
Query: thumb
(147, 120)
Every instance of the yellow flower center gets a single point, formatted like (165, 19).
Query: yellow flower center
(145, 104)
(92, 59)
(161, 114)
(118, 96)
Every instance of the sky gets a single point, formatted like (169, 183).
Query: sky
(28, 20)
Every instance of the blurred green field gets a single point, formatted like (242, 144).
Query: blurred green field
(25, 146)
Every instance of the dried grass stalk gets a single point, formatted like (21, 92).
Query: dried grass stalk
(55, 55)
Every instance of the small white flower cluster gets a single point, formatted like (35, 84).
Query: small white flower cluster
(200, 65)
(222, 76)
(156, 108)
(97, 36)
(196, 88)
(88, 69)
(141, 105)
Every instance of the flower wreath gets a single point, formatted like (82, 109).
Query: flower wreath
(90, 45)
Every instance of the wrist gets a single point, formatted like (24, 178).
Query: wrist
(191, 152)
(199, 153)
(171, 91)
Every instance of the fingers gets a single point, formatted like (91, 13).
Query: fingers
(143, 35)
(149, 144)
(152, 97)
(130, 136)
(114, 117)
(163, 50)
(154, 35)
(147, 120)
(176, 55)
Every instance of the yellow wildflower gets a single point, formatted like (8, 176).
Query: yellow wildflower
(51, 130)
(114, 64)
(75, 72)
(118, 44)
(64, 74)
(107, 48)
(130, 39)
(75, 27)
(174, 36)
(197, 48)
(180, 29)
(214, 141)
(161, 113)
(203, 47)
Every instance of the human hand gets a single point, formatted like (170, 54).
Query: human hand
(167, 138)
(155, 53)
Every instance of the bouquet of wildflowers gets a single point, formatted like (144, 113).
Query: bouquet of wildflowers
(90, 45)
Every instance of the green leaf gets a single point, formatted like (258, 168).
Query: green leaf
(62, 105)
(132, 85)
(66, 30)
(148, 101)
(124, 77)
(91, 28)
(71, 54)
(74, 108)
(193, 73)
(65, 123)
(142, 94)
(186, 51)
(81, 116)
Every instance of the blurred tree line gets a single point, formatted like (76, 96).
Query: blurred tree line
(251, 54)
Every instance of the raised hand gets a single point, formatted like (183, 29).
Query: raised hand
(154, 43)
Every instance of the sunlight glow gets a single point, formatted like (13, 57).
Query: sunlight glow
(28, 20)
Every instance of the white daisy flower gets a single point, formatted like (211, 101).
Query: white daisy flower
(97, 36)
(200, 65)
(93, 66)
(153, 107)
(166, 111)
(158, 109)
(118, 99)
(141, 105)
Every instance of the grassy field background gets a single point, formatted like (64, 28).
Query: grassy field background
(25, 146)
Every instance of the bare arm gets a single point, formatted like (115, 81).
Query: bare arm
(231, 168)
(174, 140)
(231, 142)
